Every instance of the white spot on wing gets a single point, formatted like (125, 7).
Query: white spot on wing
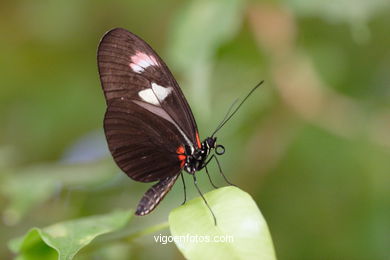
(148, 96)
(140, 61)
(156, 94)
(160, 91)
(136, 68)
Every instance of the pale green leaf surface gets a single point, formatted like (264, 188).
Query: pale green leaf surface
(238, 218)
(67, 238)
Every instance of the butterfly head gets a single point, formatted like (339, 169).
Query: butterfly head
(211, 143)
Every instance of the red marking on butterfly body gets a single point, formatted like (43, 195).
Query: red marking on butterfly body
(180, 150)
(181, 156)
(198, 140)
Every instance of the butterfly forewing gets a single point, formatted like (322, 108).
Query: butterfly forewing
(130, 68)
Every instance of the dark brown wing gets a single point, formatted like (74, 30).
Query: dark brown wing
(154, 195)
(130, 68)
(143, 140)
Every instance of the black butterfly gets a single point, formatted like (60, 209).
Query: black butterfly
(149, 126)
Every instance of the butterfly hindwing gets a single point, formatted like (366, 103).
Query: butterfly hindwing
(142, 143)
(154, 195)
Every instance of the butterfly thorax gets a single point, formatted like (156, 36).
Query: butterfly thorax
(195, 161)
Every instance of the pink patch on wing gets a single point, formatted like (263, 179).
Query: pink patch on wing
(140, 61)
(136, 68)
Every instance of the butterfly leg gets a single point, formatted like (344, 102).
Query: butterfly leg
(205, 201)
(220, 169)
(215, 186)
(184, 186)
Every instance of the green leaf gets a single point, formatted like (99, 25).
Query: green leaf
(63, 240)
(238, 220)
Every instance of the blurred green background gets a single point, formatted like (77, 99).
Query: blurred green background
(312, 146)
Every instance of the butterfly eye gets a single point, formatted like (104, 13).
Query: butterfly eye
(219, 149)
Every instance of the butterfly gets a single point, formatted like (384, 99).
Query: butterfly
(149, 126)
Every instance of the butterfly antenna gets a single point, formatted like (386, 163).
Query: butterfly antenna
(227, 118)
(228, 112)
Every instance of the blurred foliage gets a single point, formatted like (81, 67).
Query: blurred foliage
(311, 146)
(193, 22)
(46, 180)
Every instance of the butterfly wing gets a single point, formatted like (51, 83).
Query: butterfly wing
(130, 68)
(142, 140)
(154, 195)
